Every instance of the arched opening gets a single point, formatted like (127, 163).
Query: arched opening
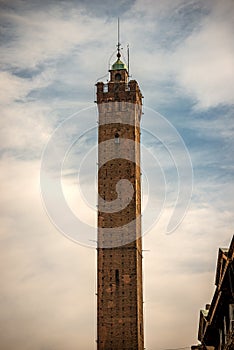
(117, 76)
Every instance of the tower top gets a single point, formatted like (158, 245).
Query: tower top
(118, 65)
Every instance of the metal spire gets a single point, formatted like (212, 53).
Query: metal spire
(118, 44)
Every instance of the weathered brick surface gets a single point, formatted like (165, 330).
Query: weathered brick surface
(119, 277)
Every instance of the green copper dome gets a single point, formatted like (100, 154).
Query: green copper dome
(119, 65)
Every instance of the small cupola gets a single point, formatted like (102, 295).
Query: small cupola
(119, 65)
(119, 70)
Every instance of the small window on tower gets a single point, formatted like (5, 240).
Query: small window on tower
(117, 76)
(116, 138)
(117, 276)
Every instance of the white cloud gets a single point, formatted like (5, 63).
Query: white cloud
(48, 282)
(12, 87)
(179, 274)
(15, 88)
(42, 36)
(153, 8)
(201, 64)
(204, 64)
(24, 122)
(43, 278)
(197, 60)
(24, 129)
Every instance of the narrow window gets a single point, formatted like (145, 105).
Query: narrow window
(117, 276)
(116, 138)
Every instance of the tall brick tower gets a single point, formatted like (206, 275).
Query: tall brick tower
(119, 252)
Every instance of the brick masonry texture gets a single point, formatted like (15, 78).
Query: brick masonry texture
(119, 275)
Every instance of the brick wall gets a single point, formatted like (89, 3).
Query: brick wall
(119, 277)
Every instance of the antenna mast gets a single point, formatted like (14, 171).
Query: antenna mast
(128, 62)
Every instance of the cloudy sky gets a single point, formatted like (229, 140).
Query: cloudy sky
(52, 54)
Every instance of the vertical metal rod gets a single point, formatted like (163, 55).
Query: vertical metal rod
(118, 30)
(128, 62)
(118, 45)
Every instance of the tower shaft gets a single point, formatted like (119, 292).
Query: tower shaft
(119, 253)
